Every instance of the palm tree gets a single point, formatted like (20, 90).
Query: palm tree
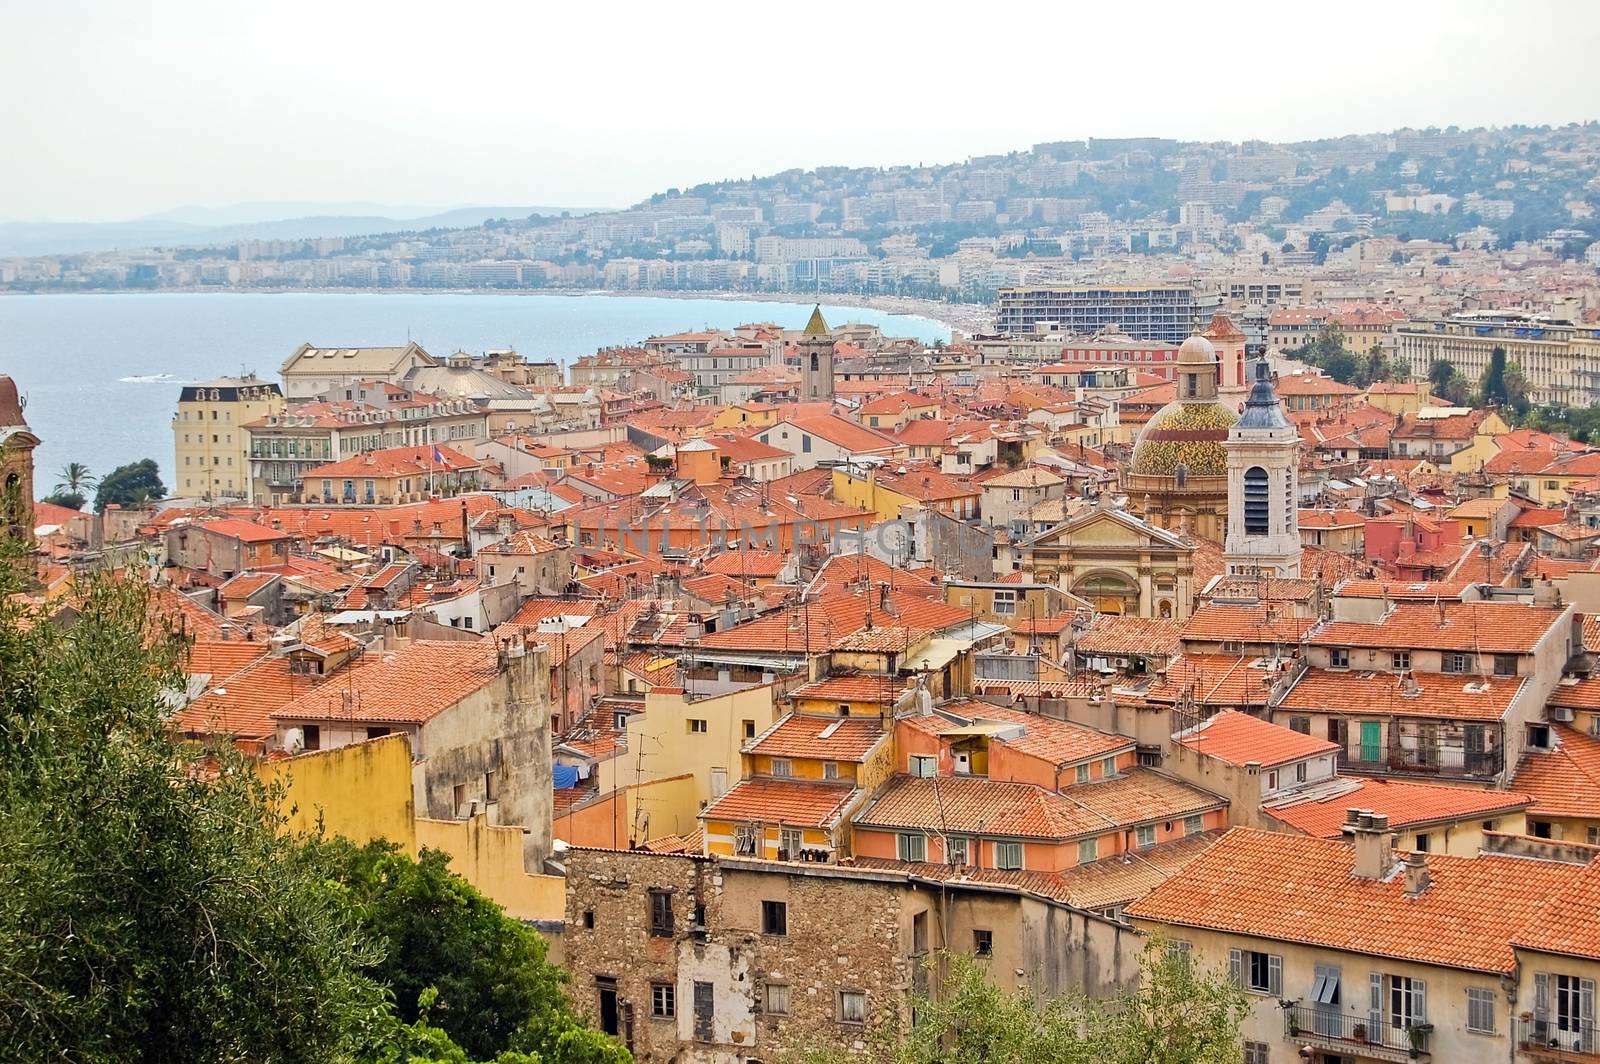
(75, 479)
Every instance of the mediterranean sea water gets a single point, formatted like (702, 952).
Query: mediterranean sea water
(101, 372)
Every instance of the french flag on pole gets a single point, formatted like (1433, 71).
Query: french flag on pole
(438, 456)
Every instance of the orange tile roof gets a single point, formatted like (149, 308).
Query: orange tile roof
(1569, 923)
(1265, 623)
(856, 687)
(1289, 888)
(396, 462)
(1058, 742)
(803, 803)
(803, 735)
(1213, 679)
(1321, 812)
(242, 704)
(1240, 739)
(1564, 781)
(411, 685)
(244, 531)
(218, 658)
(1381, 693)
(1482, 627)
(845, 434)
(975, 806)
(756, 564)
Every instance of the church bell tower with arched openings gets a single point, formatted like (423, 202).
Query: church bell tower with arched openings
(1263, 489)
(816, 359)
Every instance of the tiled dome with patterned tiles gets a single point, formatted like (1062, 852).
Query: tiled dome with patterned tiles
(1188, 432)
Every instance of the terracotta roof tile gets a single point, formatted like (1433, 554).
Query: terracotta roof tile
(803, 803)
(819, 738)
(1564, 781)
(1245, 624)
(1381, 693)
(1321, 812)
(410, 685)
(1569, 922)
(1482, 627)
(1239, 739)
(1289, 888)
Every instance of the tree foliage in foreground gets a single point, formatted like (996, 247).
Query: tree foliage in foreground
(130, 485)
(1178, 1015)
(153, 912)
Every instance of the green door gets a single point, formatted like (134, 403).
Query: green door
(1370, 730)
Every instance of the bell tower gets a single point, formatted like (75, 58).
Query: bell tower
(17, 442)
(816, 359)
(1263, 489)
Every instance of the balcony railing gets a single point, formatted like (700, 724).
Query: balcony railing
(1449, 764)
(1551, 1039)
(1355, 1035)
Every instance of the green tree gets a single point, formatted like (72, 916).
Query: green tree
(149, 912)
(75, 479)
(1492, 385)
(133, 484)
(69, 500)
(455, 962)
(1177, 1015)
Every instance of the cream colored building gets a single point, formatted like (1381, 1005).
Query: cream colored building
(209, 439)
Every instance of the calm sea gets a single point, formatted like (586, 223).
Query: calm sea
(101, 373)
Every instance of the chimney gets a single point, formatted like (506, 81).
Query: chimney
(1374, 846)
(1417, 878)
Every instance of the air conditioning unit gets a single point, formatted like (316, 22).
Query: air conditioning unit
(1561, 714)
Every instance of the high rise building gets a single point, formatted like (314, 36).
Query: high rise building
(209, 435)
(1144, 313)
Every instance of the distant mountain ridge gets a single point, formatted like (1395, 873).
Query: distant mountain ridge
(177, 227)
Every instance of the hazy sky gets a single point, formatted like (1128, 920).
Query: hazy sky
(114, 109)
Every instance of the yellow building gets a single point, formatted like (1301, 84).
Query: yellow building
(746, 415)
(1398, 397)
(1116, 562)
(363, 792)
(680, 734)
(209, 437)
(803, 778)
(887, 490)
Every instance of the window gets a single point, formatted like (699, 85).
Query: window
(955, 850)
(1256, 1053)
(1505, 664)
(744, 840)
(982, 943)
(1480, 1010)
(313, 736)
(924, 766)
(660, 914)
(1108, 768)
(774, 918)
(781, 766)
(696, 726)
(805, 444)
(749, 729)
(663, 1000)
(911, 847)
(1455, 662)
(1144, 836)
(1407, 1003)
(1194, 825)
(1005, 603)
(588, 919)
(830, 770)
(1272, 781)
(789, 842)
(1424, 843)
(491, 782)
(775, 1002)
(1301, 771)
(1339, 658)
(852, 1006)
(1008, 855)
(1257, 972)
(1083, 773)
(1401, 660)
(1300, 724)
(1256, 501)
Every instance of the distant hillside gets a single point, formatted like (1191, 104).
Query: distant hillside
(180, 227)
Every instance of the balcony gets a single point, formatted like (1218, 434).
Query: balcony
(1353, 1036)
(1440, 764)
(1570, 1042)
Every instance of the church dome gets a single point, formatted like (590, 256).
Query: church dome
(1190, 434)
(10, 404)
(1197, 351)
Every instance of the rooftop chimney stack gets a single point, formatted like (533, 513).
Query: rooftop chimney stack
(1417, 878)
(1374, 845)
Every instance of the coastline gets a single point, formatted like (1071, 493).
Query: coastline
(967, 318)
